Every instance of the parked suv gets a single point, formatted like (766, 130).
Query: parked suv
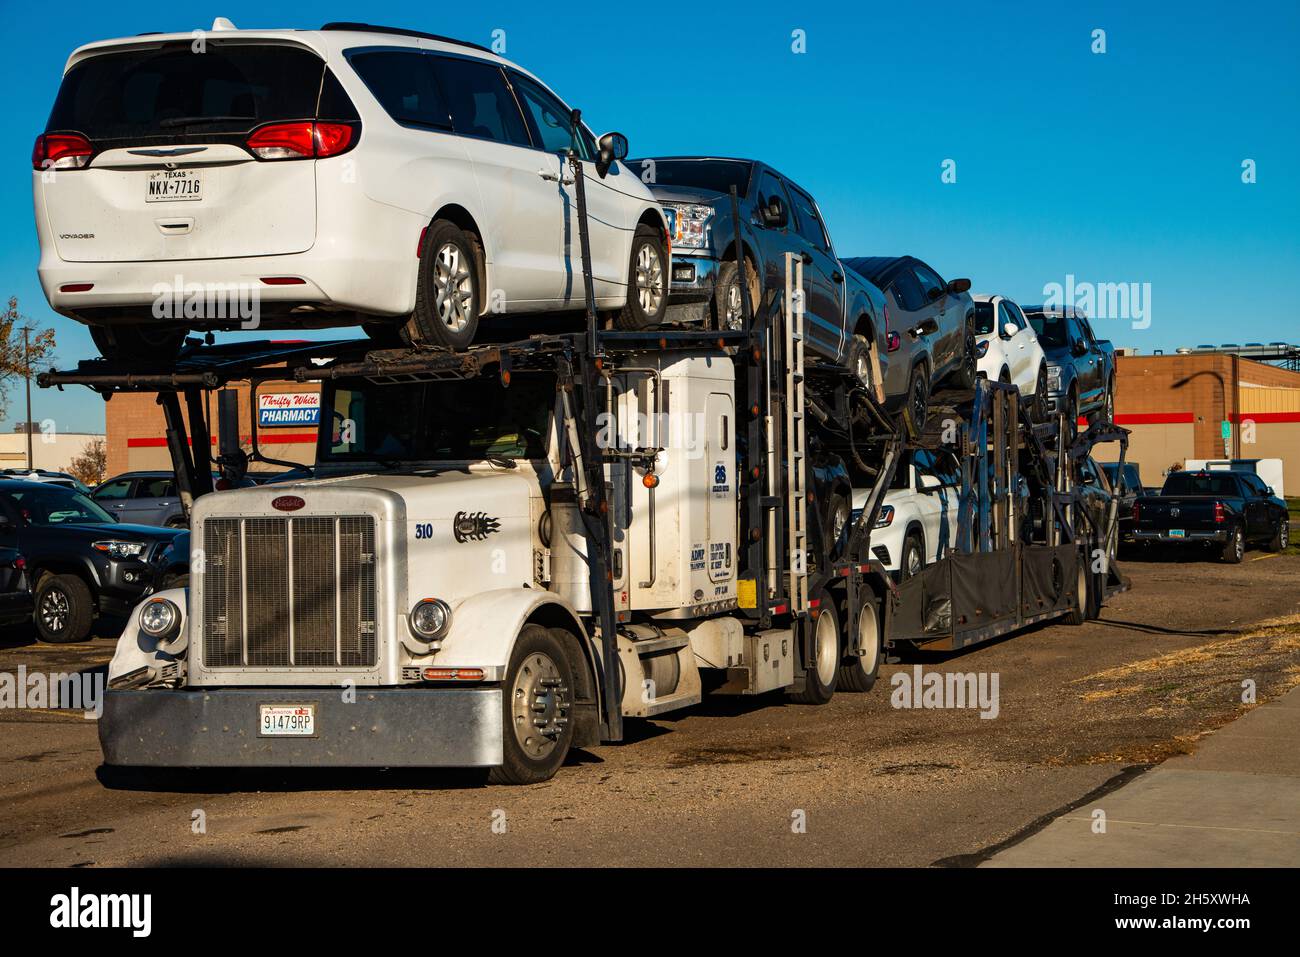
(929, 330)
(81, 562)
(1008, 350)
(843, 313)
(917, 524)
(352, 174)
(1080, 367)
(144, 498)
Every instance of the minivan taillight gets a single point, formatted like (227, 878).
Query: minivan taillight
(61, 151)
(303, 140)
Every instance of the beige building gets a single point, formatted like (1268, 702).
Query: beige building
(50, 450)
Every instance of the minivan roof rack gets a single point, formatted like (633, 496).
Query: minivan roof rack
(399, 31)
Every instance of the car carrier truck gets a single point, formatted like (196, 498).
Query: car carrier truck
(501, 553)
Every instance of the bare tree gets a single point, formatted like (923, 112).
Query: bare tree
(89, 467)
(16, 362)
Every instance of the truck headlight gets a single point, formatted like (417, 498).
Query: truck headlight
(689, 225)
(886, 516)
(430, 619)
(159, 618)
(1054, 378)
(116, 549)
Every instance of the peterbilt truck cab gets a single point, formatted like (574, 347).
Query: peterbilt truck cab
(422, 597)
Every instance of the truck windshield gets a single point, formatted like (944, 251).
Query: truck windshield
(453, 420)
(1200, 483)
(1052, 331)
(717, 176)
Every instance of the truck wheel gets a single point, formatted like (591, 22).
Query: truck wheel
(1282, 537)
(1082, 594)
(143, 341)
(1234, 549)
(837, 527)
(819, 682)
(537, 697)
(728, 312)
(447, 295)
(916, 406)
(1038, 409)
(1072, 415)
(647, 282)
(858, 673)
(64, 611)
(1106, 412)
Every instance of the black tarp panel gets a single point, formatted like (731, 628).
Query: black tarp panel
(983, 589)
(1049, 579)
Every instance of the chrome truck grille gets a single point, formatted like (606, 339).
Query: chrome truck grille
(289, 592)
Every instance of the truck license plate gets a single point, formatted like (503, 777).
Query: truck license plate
(287, 720)
(1177, 533)
(173, 185)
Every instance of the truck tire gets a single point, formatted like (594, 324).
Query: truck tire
(858, 672)
(1106, 412)
(64, 611)
(837, 525)
(819, 683)
(537, 696)
(144, 341)
(647, 282)
(916, 404)
(1038, 409)
(727, 308)
(913, 558)
(447, 294)
(1234, 549)
(858, 359)
(1081, 611)
(1282, 537)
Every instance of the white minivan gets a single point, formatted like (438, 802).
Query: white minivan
(353, 174)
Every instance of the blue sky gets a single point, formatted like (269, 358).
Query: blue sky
(1115, 167)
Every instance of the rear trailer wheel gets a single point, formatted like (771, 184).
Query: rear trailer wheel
(1234, 549)
(824, 632)
(858, 671)
(1082, 605)
(537, 703)
(143, 341)
(447, 294)
(728, 310)
(647, 282)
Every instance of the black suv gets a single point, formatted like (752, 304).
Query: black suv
(15, 590)
(929, 330)
(81, 561)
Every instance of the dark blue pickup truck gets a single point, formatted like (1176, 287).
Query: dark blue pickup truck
(1222, 510)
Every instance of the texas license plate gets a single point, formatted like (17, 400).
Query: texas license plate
(174, 185)
(1177, 533)
(287, 720)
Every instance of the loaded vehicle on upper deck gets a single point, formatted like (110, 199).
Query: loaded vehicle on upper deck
(929, 333)
(1008, 350)
(845, 314)
(1080, 367)
(409, 183)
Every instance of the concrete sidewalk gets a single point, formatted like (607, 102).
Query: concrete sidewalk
(1235, 802)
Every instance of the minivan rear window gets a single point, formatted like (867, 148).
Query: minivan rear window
(172, 93)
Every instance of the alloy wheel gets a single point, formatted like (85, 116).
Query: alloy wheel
(55, 609)
(453, 288)
(649, 280)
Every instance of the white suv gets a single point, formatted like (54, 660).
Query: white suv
(918, 517)
(348, 175)
(1008, 350)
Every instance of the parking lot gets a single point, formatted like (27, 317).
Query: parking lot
(740, 782)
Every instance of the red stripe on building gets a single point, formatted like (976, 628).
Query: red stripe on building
(1155, 418)
(1266, 417)
(273, 438)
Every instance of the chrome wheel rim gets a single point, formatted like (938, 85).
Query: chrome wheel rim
(913, 561)
(1285, 534)
(539, 705)
(649, 279)
(827, 647)
(55, 610)
(838, 521)
(1238, 544)
(453, 287)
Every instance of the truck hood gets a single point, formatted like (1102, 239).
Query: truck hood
(686, 194)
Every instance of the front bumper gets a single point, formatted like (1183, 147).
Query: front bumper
(692, 281)
(383, 727)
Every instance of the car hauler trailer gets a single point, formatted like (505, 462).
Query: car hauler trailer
(503, 552)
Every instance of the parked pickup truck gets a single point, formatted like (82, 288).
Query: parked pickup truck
(1220, 509)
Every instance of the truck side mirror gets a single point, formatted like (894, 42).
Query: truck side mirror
(1080, 348)
(956, 286)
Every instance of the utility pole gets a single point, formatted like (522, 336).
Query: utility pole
(27, 376)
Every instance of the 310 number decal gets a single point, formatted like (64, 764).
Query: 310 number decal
(424, 530)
